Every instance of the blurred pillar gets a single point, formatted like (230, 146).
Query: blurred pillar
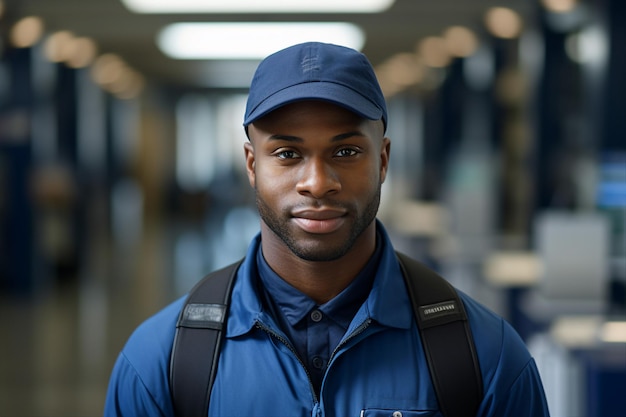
(444, 110)
(453, 106)
(467, 153)
(611, 194)
(563, 124)
(433, 145)
(16, 215)
(511, 140)
(615, 86)
(66, 106)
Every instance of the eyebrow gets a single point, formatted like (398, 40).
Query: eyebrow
(340, 137)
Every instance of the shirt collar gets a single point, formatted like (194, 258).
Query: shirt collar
(387, 303)
(295, 305)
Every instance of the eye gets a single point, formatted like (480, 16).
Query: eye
(344, 152)
(285, 154)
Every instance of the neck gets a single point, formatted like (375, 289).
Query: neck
(321, 281)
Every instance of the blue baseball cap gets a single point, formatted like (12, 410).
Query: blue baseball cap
(316, 71)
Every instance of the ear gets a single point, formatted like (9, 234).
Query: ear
(248, 149)
(384, 158)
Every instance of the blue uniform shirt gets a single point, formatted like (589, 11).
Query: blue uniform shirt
(378, 368)
(314, 330)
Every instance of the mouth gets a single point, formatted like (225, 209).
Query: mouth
(319, 221)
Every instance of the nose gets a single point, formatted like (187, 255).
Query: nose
(318, 179)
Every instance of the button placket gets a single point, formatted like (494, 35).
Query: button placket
(317, 346)
(318, 362)
(316, 316)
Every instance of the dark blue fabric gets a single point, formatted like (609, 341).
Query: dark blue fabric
(314, 330)
(316, 71)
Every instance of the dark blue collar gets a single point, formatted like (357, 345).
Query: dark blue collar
(295, 305)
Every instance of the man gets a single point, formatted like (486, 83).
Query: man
(320, 322)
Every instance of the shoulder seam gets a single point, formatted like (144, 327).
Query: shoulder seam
(127, 360)
(522, 368)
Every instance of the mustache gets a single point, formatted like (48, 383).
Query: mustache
(315, 203)
(312, 203)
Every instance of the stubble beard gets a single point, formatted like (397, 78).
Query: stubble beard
(279, 224)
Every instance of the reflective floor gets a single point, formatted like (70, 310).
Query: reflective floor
(55, 361)
(60, 343)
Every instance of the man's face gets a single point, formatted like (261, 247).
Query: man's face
(317, 170)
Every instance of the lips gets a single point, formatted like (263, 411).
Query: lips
(319, 221)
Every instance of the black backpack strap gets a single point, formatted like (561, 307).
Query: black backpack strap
(196, 348)
(439, 313)
(447, 339)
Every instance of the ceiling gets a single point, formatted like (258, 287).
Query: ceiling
(132, 36)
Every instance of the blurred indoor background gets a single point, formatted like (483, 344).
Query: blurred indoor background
(122, 181)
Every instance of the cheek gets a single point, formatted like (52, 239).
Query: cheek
(370, 176)
(272, 182)
(368, 186)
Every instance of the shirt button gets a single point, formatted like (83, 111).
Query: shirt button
(397, 414)
(318, 363)
(316, 316)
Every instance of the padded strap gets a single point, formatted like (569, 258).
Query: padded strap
(438, 310)
(196, 349)
(447, 339)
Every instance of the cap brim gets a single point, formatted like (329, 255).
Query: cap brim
(325, 91)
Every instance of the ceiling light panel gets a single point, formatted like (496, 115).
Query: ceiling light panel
(253, 40)
(257, 6)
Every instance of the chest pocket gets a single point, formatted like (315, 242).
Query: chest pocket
(376, 412)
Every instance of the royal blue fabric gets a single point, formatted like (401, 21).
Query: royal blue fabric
(378, 368)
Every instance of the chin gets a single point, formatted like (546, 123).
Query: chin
(319, 252)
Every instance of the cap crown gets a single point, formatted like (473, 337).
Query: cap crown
(316, 71)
